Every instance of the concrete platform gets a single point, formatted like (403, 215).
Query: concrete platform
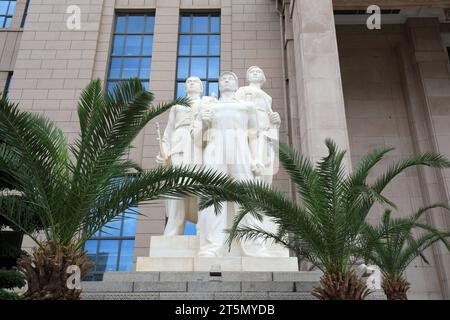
(179, 253)
(226, 264)
(187, 247)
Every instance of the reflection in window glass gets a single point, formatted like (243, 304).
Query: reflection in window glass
(120, 24)
(181, 89)
(133, 45)
(184, 45)
(213, 67)
(215, 24)
(112, 249)
(214, 45)
(199, 51)
(7, 9)
(107, 255)
(132, 48)
(130, 68)
(126, 254)
(150, 25)
(146, 65)
(185, 24)
(198, 67)
(199, 45)
(136, 24)
(200, 24)
(190, 229)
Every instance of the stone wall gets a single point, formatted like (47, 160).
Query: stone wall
(54, 64)
(378, 115)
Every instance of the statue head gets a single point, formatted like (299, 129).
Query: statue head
(194, 85)
(256, 75)
(228, 81)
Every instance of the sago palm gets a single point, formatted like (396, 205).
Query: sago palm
(325, 228)
(392, 246)
(75, 190)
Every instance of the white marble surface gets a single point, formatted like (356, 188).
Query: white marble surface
(187, 246)
(179, 253)
(226, 263)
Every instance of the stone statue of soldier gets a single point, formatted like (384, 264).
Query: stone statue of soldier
(179, 148)
(232, 148)
(268, 121)
(268, 134)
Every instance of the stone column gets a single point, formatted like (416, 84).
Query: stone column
(319, 87)
(429, 99)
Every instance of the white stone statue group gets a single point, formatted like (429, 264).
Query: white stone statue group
(233, 134)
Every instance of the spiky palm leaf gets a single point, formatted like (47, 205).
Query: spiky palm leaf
(75, 190)
(392, 246)
(325, 229)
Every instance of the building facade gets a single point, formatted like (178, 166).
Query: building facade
(328, 74)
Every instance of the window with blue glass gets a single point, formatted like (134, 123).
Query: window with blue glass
(199, 51)
(131, 54)
(6, 12)
(112, 248)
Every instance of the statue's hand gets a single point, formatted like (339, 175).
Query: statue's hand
(206, 115)
(275, 118)
(257, 167)
(162, 160)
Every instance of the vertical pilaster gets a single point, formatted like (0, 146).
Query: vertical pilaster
(430, 120)
(319, 87)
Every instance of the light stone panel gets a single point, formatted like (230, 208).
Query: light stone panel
(377, 115)
(320, 99)
(430, 60)
(48, 78)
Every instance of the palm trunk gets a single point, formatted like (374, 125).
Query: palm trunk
(341, 286)
(395, 287)
(46, 272)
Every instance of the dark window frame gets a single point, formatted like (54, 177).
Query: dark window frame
(189, 56)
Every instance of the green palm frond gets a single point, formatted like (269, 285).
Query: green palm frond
(427, 159)
(391, 244)
(329, 225)
(162, 182)
(74, 197)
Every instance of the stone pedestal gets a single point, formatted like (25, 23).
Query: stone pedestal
(178, 253)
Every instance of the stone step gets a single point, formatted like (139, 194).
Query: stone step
(197, 286)
(199, 296)
(202, 286)
(226, 264)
